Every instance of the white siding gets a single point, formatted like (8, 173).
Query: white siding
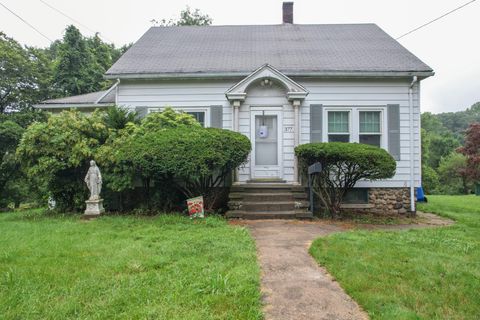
(177, 94)
(370, 93)
(203, 93)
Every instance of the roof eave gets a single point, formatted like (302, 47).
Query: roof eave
(71, 105)
(326, 74)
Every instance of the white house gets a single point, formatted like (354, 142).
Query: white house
(303, 83)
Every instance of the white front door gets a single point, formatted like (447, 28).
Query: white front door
(266, 136)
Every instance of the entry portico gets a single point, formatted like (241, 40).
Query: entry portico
(266, 108)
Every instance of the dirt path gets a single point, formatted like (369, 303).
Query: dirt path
(293, 285)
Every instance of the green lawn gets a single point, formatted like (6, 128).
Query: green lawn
(167, 267)
(417, 274)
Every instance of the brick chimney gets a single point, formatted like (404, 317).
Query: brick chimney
(288, 12)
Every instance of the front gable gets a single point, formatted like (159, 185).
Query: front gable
(264, 74)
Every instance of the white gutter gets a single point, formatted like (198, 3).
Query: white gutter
(412, 149)
(70, 105)
(221, 75)
(108, 91)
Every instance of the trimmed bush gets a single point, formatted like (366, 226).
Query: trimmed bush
(192, 159)
(343, 165)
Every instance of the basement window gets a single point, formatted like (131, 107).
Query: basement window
(356, 196)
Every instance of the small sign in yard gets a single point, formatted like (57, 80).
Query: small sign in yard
(195, 207)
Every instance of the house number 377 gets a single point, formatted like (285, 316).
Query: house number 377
(288, 129)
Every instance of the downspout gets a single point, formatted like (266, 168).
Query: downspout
(412, 148)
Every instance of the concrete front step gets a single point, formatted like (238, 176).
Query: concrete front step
(268, 206)
(266, 188)
(268, 196)
(268, 201)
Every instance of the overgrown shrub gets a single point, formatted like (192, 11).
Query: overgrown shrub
(56, 153)
(14, 187)
(453, 174)
(343, 165)
(172, 149)
(430, 181)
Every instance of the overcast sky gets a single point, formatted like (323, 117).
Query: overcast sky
(451, 46)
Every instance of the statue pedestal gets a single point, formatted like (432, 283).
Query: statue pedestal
(94, 209)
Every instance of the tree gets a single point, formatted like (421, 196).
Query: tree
(453, 174)
(471, 150)
(188, 17)
(440, 146)
(13, 185)
(56, 153)
(102, 60)
(430, 180)
(17, 80)
(10, 134)
(343, 165)
(75, 66)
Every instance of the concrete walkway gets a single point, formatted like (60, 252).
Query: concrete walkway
(294, 286)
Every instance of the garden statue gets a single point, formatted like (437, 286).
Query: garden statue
(93, 179)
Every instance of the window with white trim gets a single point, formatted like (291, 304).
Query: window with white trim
(356, 124)
(202, 115)
(198, 115)
(370, 128)
(338, 126)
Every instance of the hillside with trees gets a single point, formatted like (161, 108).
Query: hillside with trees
(446, 167)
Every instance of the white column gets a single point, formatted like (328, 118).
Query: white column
(296, 137)
(236, 128)
(236, 115)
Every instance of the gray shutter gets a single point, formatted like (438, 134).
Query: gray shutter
(393, 113)
(316, 122)
(216, 116)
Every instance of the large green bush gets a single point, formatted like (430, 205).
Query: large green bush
(56, 153)
(430, 180)
(453, 174)
(14, 187)
(343, 165)
(192, 159)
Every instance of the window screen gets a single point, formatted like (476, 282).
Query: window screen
(338, 122)
(199, 116)
(369, 121)
(370, 128)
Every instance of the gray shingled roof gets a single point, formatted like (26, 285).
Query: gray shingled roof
(88, 99)
(291, 48)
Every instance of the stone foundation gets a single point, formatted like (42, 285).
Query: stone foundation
(384, 201)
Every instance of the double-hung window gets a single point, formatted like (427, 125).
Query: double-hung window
(198, 115)
(355, 124)
(339, 126)
(370, 128)
(202, 115)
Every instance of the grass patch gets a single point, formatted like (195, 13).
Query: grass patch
(416, 274)
(120, 267)
(376, 219)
